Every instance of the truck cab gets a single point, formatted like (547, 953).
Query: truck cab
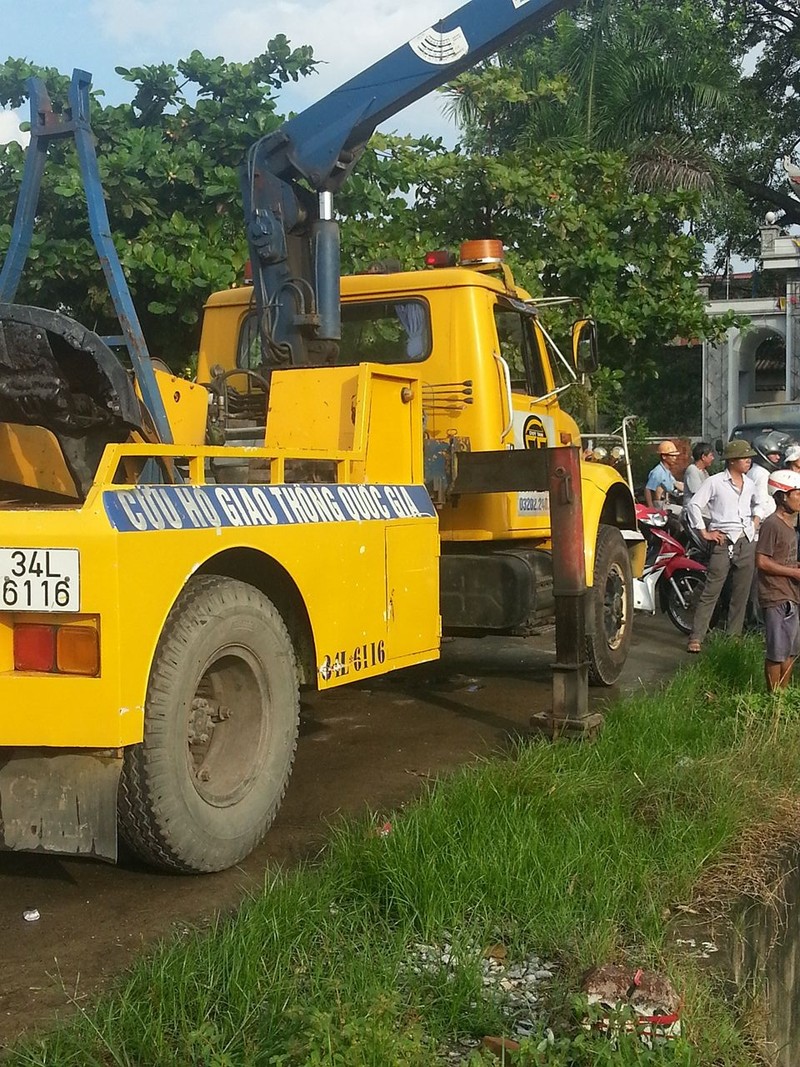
(489, 377)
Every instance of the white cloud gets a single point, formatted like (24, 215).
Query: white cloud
(346, 36)
(132, 22)
(9, 127)
(346, 40)
(343, 33)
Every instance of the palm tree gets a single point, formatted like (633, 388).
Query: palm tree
(614, 76)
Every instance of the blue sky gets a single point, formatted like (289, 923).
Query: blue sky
(99, 35)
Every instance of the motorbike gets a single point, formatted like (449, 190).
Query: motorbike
(676, 559)
(672, 579)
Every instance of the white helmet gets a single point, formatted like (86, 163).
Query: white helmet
(783, 481)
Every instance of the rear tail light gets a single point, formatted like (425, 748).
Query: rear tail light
(77, 650)
(34, 648)
(56, 649)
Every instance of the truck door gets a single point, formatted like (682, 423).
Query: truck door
(533, 422)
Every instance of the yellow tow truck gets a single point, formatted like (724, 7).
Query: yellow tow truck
(177, 559)
(489, 379)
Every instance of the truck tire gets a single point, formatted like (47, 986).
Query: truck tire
(220, 731)
(612, 607)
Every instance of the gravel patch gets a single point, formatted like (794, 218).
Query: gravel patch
(516, 987)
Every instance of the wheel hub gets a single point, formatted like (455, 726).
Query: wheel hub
(222, 744)
(615, 607)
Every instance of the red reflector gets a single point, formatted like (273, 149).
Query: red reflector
(34, 647)
(247, 273)
(440, 258)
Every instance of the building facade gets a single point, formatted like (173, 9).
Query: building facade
(752, 370)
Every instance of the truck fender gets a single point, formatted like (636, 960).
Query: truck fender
(607, 500)
(269, 576)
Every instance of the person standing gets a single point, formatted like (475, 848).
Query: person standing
(697, 472)
(769, 448)
(779, 579)
(729, 498)
(661, 481)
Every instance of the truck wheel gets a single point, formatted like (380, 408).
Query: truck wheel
(220, 731)
(612, 605)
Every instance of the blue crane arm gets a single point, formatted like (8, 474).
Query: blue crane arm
(311, 144)
(47, 126)
(291, 174)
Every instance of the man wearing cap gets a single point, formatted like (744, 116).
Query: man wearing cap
(661, 480)
(730, 499)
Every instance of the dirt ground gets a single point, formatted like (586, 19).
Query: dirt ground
(372, 745)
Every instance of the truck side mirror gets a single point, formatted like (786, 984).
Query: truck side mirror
(584, 346)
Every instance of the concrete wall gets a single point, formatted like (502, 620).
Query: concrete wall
(756, 948)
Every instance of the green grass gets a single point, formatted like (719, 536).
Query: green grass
(574, 852)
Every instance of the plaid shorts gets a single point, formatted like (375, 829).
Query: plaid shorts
(782, 626)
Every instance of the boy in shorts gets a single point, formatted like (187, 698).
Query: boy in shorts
(779, 579)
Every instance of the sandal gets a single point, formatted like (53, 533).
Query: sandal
(694, 647)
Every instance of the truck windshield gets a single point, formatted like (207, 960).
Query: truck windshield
(373, 331)
(518, 348)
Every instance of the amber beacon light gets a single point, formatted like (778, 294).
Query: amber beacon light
(487, 250)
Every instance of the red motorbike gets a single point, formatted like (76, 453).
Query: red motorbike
(671, 580)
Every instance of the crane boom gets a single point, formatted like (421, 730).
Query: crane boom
(293, 239)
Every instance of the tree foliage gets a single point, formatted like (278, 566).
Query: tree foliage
(606, 151)
(168, 162)
(695, 96)
(573, 223)
(750, 142)
(614, 75)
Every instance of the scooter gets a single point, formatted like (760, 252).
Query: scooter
(674, 573)
(671, 580)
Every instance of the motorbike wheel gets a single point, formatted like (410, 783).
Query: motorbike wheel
(690, 584)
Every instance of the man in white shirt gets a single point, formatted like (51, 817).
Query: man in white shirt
(730, 500)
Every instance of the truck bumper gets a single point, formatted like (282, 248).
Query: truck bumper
(61, 802)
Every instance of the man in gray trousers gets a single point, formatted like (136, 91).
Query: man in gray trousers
(732, 504)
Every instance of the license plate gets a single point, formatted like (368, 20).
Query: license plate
(40, 579)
